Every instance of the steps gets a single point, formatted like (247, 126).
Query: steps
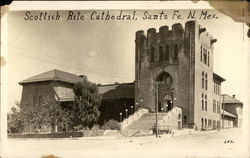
(141, 127)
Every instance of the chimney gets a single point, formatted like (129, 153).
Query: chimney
(83, 77)
(233, 95)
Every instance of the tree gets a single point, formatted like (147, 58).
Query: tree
(44, 117)
(87, 102)
(15, 121)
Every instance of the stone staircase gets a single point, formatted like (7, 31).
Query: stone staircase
(141, 127)
(146, 123)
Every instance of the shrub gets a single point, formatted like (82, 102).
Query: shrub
(112, 124)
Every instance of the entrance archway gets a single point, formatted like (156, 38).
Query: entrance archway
(165, 92)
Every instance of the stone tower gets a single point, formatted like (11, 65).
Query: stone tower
(179, 59)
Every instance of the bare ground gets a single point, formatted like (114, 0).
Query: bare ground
(225, 143)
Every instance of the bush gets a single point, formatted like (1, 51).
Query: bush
(112, 124)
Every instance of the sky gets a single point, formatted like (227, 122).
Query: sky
(104, 50)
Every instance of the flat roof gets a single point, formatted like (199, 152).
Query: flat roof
(218, 77)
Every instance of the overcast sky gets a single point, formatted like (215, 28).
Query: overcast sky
(104, 50)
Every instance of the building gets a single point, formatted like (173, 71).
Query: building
(174, 75)
(177, 64)
(117, 101)
(232, 111)
(52, 86)
(57, 86)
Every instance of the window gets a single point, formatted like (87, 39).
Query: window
(208, 59)
(206, 81)
(152, 55)
(209, 123)
(201, 54)
(214, 106)
(167, 53)
(202, 101)
(218, 107)
(175, 52)
(202, 79)
(202, 124)
(160, 54)
(204, 56)
(205, 102)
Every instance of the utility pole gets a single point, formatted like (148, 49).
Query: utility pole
(156, 107)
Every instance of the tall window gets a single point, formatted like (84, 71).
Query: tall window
(160, 54)
(202, 101)
(208, 59)
(201, 54)
(214, 106)
(218, 107)
(206, 81)
(205, 102)
(167, 53)
(175, 52)
(152, 55)
(205, 56)
(202, 79)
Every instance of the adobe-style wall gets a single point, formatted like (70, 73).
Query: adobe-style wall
(32, 91)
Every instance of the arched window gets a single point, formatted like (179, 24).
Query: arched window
(167, 53)
(160, 54)
(152, 55)
(179, 116)
(175, 52)
(166, 78)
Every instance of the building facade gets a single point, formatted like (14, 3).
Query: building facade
(232, 111)
(177, 66)
(52, 86)
(56, 86)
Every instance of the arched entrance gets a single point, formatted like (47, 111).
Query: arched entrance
(165, 92)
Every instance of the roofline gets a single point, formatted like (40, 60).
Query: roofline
(221, 79)
(45, 80)
(113, 84)
(236, 102)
